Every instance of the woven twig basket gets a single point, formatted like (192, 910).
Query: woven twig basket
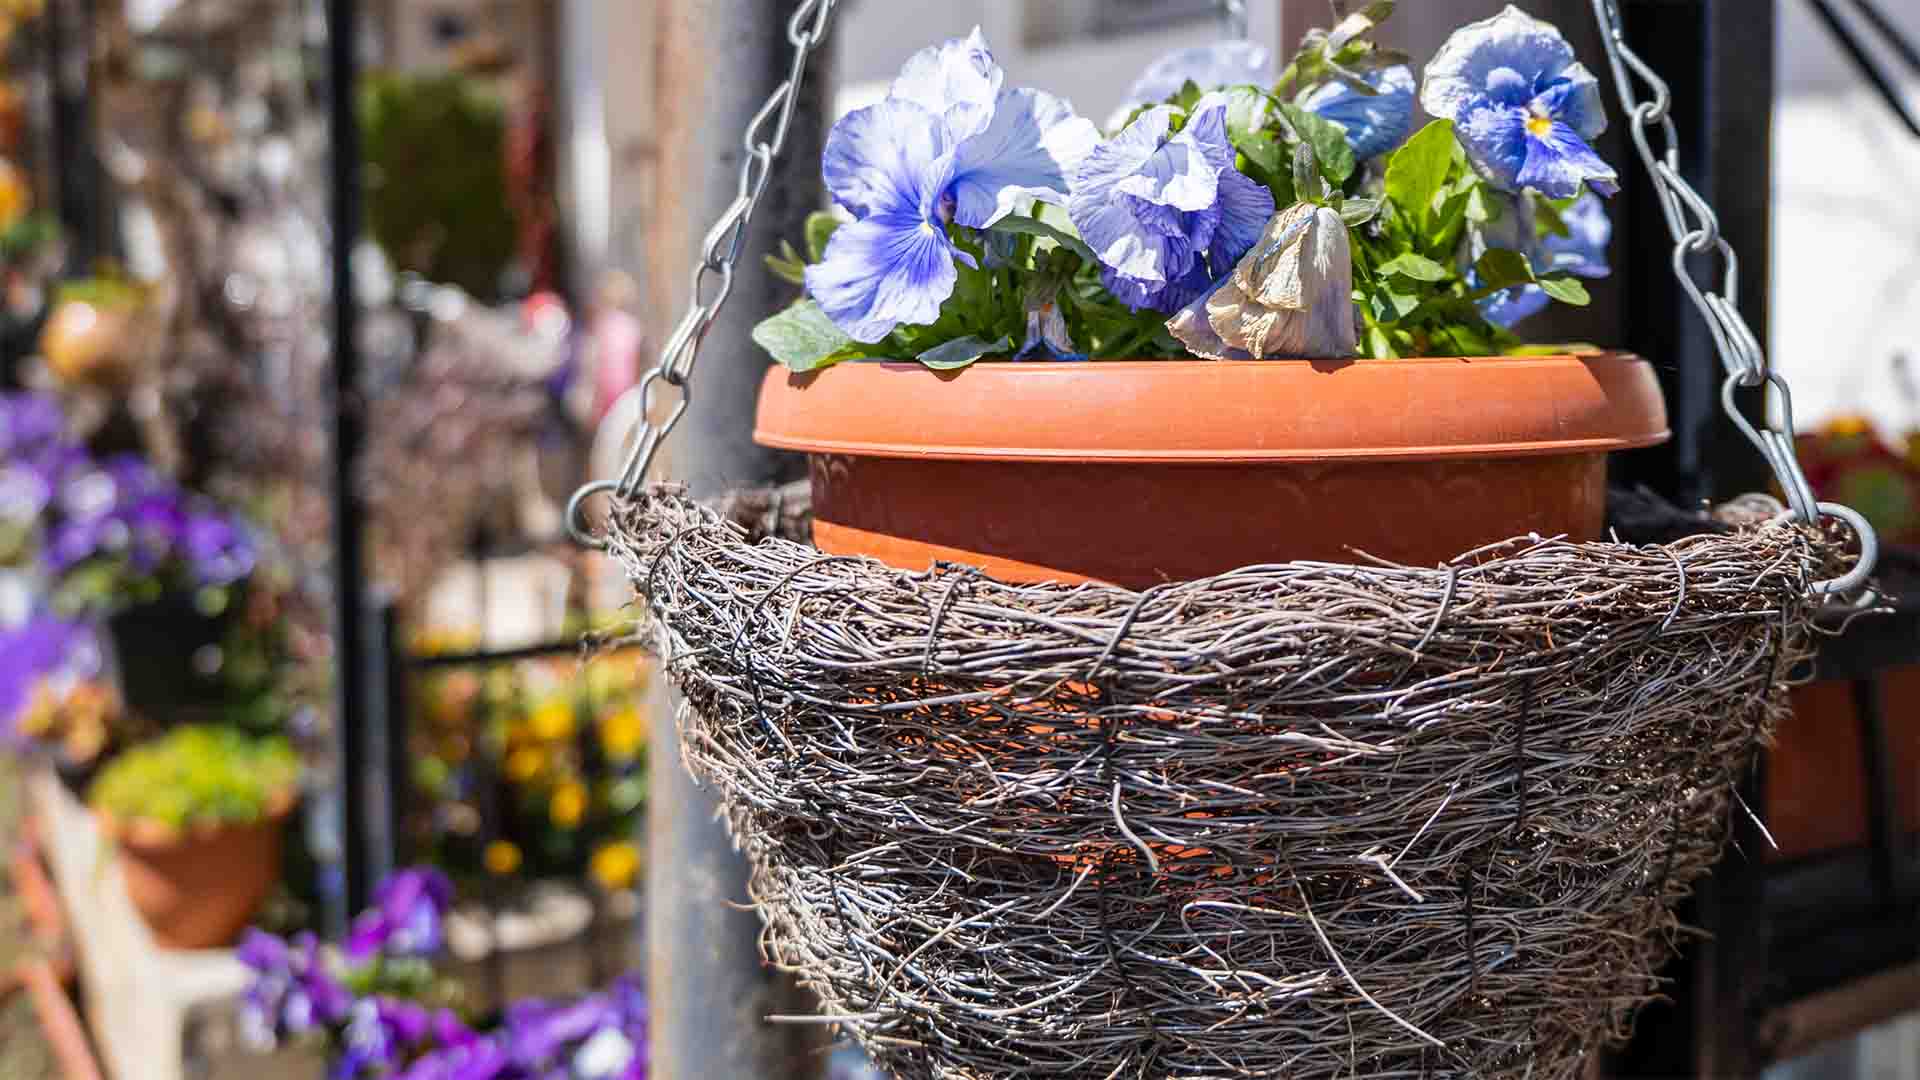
(1301, 820)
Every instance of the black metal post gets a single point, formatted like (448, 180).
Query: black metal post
(69, 35)
(352, 686)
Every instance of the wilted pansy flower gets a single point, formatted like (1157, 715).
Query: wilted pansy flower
(1210, 67)
(947, 145)
(1291, 295)
(1522, 106)
(1166, 213)
(407, 918)
(1376, 123)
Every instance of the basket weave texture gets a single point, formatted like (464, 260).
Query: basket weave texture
(1302, 820)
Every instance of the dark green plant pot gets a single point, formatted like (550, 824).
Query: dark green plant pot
(168, 656)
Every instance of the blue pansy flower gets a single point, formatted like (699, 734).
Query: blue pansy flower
(1523, 107)
(1582, 253)
(947, 145)
(1210, 67)
(1376, 123)
(1167, 214)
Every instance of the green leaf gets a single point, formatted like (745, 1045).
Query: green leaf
(1248, 111)
(787, 265)
(1267, 164)
(1418, 170)
(1329, 142)
(1189, 95)
(1418, 267)
(1026, 226)
(960, 352)
(1481, 207)
(1399, 305)
(820, 227)
(1356, 212)
(1379, 345)
(1566, 289)
(1503, 269)
(802, 338)
(1308, 183)
(1547, 220)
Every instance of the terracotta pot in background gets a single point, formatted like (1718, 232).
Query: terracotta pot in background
(199, 888)
(1816, 772)
(1138, 472)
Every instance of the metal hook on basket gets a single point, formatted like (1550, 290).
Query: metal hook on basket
(1855, 579)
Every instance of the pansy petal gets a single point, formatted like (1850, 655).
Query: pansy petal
(1225, 63)
(882, 271)
(957, 80)
(1559, 161)
(1508, 306)
(886, 158)
(1573, 98)
(1025, 153)
(1495, 138)
(1468, 67)
(1375, 123)
(1245, 208)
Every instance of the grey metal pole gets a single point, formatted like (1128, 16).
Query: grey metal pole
(717, 60)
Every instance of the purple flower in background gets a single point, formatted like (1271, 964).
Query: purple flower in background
(1376, 123)
(1166, 213)
(407, 918)
(1210, 67)
(29, 425)
(947, 146)
(31, 652)
(380, 1035)
(1523, 107)
(292, 992)
(216, 549)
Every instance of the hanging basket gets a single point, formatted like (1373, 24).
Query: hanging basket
(1303, 820)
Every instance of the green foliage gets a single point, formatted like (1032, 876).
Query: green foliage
(198, 775)
(436, 178)
(801, 337)
(1412, 217)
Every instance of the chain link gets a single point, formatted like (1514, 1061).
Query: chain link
(669, 379)
(1695, 229)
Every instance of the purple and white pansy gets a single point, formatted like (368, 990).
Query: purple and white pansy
(948, 145)
(1524, 108)
(1167, 212)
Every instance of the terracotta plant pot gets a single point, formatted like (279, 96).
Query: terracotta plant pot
(199, 888)
(1138, 472)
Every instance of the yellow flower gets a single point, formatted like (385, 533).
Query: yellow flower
(526, 763)
(15, 198)
(502, 858)
(622, 734)
(553, 720)
(615, 865)
(568, 805)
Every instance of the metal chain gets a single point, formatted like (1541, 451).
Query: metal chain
(712, 276)
(1696, 232)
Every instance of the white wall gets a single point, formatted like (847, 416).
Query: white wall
(1846, 257)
